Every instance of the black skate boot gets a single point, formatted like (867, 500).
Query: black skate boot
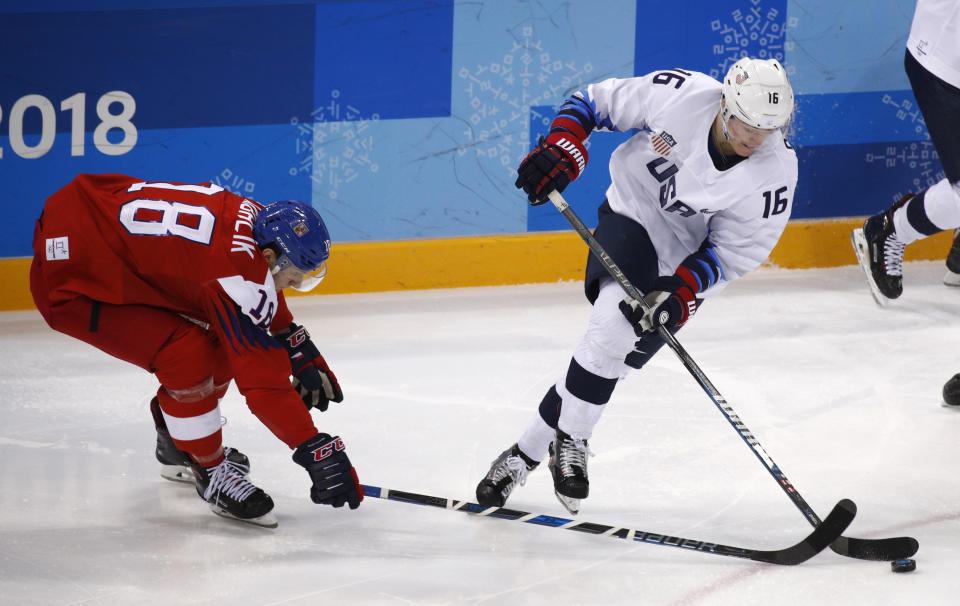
(952, 277)
(231, 495)
(506, 472)
(568, 466)
(880, 253)
(175, 464)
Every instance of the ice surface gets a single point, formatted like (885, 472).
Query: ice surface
(843, 395)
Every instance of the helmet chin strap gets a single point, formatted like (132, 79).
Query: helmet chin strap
(724, 116)
(723, 128)
(726, 136)
(280, 264)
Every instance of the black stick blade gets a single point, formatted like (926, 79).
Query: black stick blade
(822, 536)
(876, 550)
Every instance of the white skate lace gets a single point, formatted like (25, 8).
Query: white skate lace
(893, 255)
(514, 467)
(228, 478)
(573, 453)
(518, 469)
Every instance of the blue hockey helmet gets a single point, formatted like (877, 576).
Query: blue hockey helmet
(302, 241)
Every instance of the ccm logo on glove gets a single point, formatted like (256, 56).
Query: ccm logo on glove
(298, 338)
(328, 449)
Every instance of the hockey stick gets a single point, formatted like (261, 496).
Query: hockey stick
(888, 550)
(826, 532)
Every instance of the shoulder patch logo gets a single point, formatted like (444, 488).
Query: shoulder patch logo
(663, 143)
(58, 249)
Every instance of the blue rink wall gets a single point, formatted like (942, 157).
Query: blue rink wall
(406, 119)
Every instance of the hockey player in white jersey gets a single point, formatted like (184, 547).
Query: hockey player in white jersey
(698, 197)
(932, 64)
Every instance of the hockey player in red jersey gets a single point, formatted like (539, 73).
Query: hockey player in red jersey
(185, 282)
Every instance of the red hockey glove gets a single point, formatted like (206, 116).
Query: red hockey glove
(552, 165)
(670, 305)
(312, 378)
(674, 298)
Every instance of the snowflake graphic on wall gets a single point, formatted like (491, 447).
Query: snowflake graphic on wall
(234, 183)
(920, 157)
(334, 148)
(502, 95)
(756, 32)
(907, 111)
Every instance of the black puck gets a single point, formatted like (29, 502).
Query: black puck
(951, 392)
(903, 565)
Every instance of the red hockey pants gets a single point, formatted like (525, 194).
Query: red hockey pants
(186, 358)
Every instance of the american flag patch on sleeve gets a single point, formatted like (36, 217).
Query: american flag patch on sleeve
(663, 142)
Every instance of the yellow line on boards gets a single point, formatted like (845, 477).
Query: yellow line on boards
(510, 259)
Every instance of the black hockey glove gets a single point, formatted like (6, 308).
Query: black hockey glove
(312, 378)
(334, 478)
(674, 298)
(552, 165)
(670, 305)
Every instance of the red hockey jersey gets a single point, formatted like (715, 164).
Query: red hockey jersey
(186, 248)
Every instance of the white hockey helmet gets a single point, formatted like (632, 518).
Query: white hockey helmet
(758, 93)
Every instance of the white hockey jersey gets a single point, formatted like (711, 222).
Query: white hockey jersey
(935, 38)
(663, 177)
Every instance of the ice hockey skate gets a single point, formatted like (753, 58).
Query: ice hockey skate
(506, 472)
(880, 253)
(568, 466)
(952, 277)
(175, 464)
(229, 493)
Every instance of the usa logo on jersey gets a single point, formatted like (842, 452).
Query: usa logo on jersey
(663, 143)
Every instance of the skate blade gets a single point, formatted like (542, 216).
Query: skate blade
(951, 279)
(177, 473)
(863, 257)
(571, 505)
(267, 520)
